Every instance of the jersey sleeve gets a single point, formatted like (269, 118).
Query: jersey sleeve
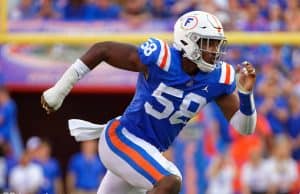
(155, 53)
(227, 78)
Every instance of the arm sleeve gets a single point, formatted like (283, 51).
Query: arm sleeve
(244, 120)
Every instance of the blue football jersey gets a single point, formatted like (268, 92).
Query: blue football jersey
(167, 97)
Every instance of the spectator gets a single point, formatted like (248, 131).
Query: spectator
(3, 168)
(26, 177)
(8, 122)
(221, 173)
(205, 5)
(294, 131)
(159, 9)
(276, 18)
(271, 101)
(7, 114)
(293, 125)
(292, 15)
(51, 169)
(295, 72)
(241, 146)
(180, 7)
(135, 12)
(32, 145)
(76, 10)
(253, 21)
(10, 162)
(190, 152)
(47, 10)
(85, 170)
(294, 55)
(224, 137)
(236, 14)
(281, 168)
(254, 177)
(105, 10)
(263, 6)
(234, 54)
(24, 10)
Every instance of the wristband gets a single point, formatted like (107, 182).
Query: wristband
(247, 105)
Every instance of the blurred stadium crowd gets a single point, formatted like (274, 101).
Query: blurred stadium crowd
(246, 15)
(224, 161)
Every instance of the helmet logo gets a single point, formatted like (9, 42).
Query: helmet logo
(189, 23)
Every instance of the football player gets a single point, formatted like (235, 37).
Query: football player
(174, 83)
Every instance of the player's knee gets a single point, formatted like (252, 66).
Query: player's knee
(169, 184)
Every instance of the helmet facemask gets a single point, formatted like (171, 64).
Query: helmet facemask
(202, 45)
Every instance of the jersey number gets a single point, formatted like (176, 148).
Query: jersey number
(149, 47)
(179, 116)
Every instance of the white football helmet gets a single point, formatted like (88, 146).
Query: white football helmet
(189, 32)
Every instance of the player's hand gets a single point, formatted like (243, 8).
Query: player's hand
(51, 100)
(246, 76)
(45, 106)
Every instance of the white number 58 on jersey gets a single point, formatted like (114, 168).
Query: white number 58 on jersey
(177, 116)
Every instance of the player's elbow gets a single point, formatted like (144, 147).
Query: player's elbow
(101, 49)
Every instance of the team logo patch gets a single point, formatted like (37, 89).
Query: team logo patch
(189, 23)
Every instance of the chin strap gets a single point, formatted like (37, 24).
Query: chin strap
(204, 66)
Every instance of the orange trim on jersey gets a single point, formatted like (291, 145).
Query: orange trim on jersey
(133, 154)
(165, 57)
(227, 75)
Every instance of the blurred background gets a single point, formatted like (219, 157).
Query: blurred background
(39, 39)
